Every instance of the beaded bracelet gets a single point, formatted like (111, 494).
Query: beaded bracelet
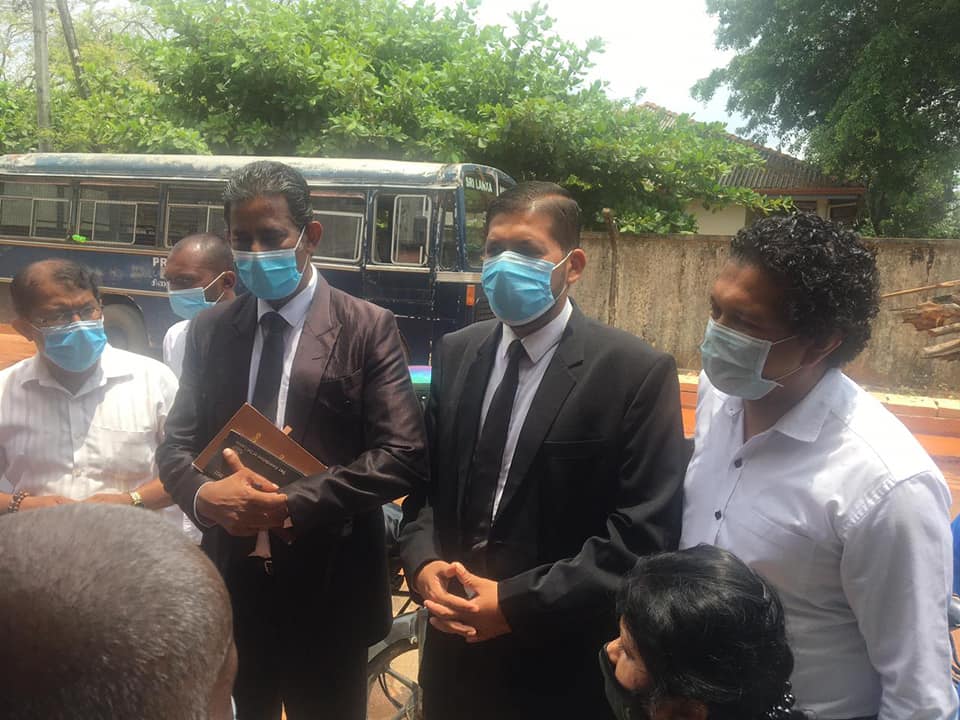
(15, 501)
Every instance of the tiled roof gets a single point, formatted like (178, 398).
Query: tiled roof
(781, 173)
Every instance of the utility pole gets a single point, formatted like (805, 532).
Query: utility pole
(42, 71)
(72, 47)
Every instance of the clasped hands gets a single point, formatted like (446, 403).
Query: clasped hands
(243, 503)
(475, 619)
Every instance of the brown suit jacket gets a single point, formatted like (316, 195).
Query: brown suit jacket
(351, 404)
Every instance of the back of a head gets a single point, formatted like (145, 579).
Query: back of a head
(709, 629)
(537, 196)
(107, 612)
(211, 250)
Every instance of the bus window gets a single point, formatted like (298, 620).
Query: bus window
(448, 233)
(124, 215)
(402, 233)
(16, 206)
(51, 211)
(411, 221)
(195, 210)
(479, 189)
(342, 220)
(34, 209)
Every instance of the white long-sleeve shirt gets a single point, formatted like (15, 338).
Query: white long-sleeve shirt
(840, 508)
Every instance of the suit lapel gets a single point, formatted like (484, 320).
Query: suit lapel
(236, 349)
(556, 385)
(468, 409)
(320, 333)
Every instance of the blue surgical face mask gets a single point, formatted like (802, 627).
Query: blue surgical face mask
(270, 275)
(734, 362)
(518, 287)
(187, 303)
(74, 347)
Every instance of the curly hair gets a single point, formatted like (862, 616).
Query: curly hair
(829, 277)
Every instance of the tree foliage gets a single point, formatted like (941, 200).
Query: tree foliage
(385, 79)
(870, 88)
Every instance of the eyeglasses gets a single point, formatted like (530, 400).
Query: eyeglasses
(65, 317)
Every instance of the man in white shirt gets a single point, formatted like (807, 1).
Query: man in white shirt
(814, 484)
(80, 420)
(199, 273)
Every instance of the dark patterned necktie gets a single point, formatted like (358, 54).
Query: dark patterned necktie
(270, 372)
(488, 456)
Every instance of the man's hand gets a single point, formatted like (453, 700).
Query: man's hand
(476, 619)
(244, 502)
(432, 582)
(33, 502)
(110, 499)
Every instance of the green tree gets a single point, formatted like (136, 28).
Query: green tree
(121, 112)
(379, 78)
(375, 78)
(869, 88)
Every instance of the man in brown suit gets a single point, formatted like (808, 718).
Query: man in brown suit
(331, 367)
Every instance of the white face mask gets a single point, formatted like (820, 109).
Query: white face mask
(734, 362)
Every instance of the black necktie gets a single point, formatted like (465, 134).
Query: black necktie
(267, 389)
(488, 456)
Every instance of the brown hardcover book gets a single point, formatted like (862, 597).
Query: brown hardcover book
(261, 446)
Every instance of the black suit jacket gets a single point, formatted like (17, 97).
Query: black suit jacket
(596, 479)
(351, 404)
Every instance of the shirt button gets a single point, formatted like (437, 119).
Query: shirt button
(738, 463)
(718, 514)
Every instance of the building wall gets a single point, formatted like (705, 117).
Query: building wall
(662, 287)
(722, 221)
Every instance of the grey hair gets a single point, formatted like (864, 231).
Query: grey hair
(269, 177)
(107, 612)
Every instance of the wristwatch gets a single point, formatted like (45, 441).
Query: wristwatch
(136, 500)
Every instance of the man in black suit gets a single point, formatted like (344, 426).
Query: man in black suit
(330, 367)
(557, 458)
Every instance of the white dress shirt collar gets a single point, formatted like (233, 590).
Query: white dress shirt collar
(111, 365)
(295, 309)
(538, 343)
(805, 420)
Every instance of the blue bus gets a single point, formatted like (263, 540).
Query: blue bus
(405, 235)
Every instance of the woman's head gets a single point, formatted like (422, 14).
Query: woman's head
(701, 636)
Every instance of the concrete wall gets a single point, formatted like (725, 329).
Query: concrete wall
(662, 285)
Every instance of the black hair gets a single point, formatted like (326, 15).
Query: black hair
(829, 277)
(108, 612)
(215, 251)
(23, 289)
(269, 177)
(541, 197)
(709, 629)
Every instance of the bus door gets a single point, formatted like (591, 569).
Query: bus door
(397, 273)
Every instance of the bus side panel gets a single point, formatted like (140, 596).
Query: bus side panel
(349, 281)
(133, 274)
